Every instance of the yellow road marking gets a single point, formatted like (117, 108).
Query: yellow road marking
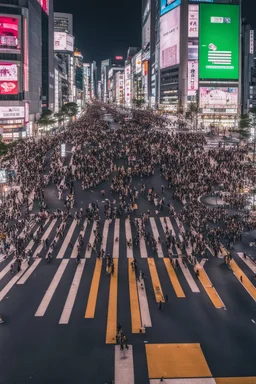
(209, 288)
(246, 282)
(134, 300)
(174, 279)
(176, 361)
(112, 307)
(91, 304)
(236, 380)
(155, 281)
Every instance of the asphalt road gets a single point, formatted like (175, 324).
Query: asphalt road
(39, 350)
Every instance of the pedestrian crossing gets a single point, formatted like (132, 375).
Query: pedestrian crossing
(143, 293)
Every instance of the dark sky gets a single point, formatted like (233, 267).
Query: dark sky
(106, 28)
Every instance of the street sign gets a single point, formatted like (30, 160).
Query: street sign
(63, 150)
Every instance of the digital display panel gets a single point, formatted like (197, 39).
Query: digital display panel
(212, 97)
(219, 41)
(170, 39)
(9, 34)
(168, 5)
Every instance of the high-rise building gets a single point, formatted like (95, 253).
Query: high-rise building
(198, 58)
(64, 55)
(87, 82)
(26, 72)
(79, 86)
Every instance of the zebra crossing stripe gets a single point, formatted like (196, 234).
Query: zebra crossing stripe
(144, 308)
(67, 240)
(155, 281)
(156, 235)
(31, 243)
(91, 241)
(124, 367)
(116, 236)
(51, 289)
(112, 307)
(92, 300)
(247, 261)
(66, 313)
(6, 269)
(29, 271)
(45, 236)
(128, 237)
(12, 282)
(143, 248)
(134, 300)
(74, 250)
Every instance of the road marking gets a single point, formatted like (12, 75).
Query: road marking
(174, 279)
(67, 240)
(112, 307)
(31, 243)
(74, 250)
(134, 300)
(253, 321)
(209, 288)
(92, 300)
(11, 283)
(45, 236)
(29, 271)
(246, 282)
(144, 308)
(155, 281)
(156, 235)
(143, 248)
(248, 262)
(190, 280)
(66, 313)
(128, 236)
(116, 243)
(124, 367)
(88, 252)
(52, 288)
(6, 269)
(197, 380)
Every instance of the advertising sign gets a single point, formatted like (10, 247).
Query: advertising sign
(8, 72)
(211, 97)
(63, 42)
(3, 176)
(219, 41)
(26, 112)
(11, 112)
(252, 41)
(170, 39)
(192, 77)
(9, 34)
(45, 5)
(168, 5)
(138, 63)
(193, 20)
(9, 87)
(146, 34)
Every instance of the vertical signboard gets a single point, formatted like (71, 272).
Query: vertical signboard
(170, 39)
(193, 28)
(127, 74)
(219, 42)
(251, 42)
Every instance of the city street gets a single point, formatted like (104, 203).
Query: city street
(61, 317)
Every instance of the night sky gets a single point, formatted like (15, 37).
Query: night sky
(105, 29)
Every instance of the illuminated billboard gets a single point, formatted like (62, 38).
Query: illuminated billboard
(138, 63)
(219, 41)
(63, 42)
(8, 72)
(168, 5)
(170, 39)
(192, 77)
(45, 5)
(193, 20)
(223, 97)
(9, 34)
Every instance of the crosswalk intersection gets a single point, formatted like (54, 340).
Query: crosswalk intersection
(183, 282)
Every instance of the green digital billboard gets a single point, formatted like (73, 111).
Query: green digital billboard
(219, 42)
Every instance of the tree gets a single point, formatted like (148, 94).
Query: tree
(70, 109)
(60, 117)
(138, 103)
(46, 119)
(192, 114)
(244, 127)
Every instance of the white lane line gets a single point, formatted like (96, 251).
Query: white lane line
(31, 243)
(248, 262)
(156, 235)
(170, 228)
(66, 313)
(143, 247)
(198, 380)
(51, 289)
(185, 270)
(116, 243)
(74, 250)
(6, 269)
(124, 368)
(144, 308)
(11, 283)
(29, 271)
(190, 280)
(128, 237)
(67, 240)
(105, 235)
(91, 241)
(45, 236)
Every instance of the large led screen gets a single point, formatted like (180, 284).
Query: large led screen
(9, 34)
(219, 41)
(168, 5)
(8, 79)
(170, 39)
(45, 5)
(63, 42)
(212, 97)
